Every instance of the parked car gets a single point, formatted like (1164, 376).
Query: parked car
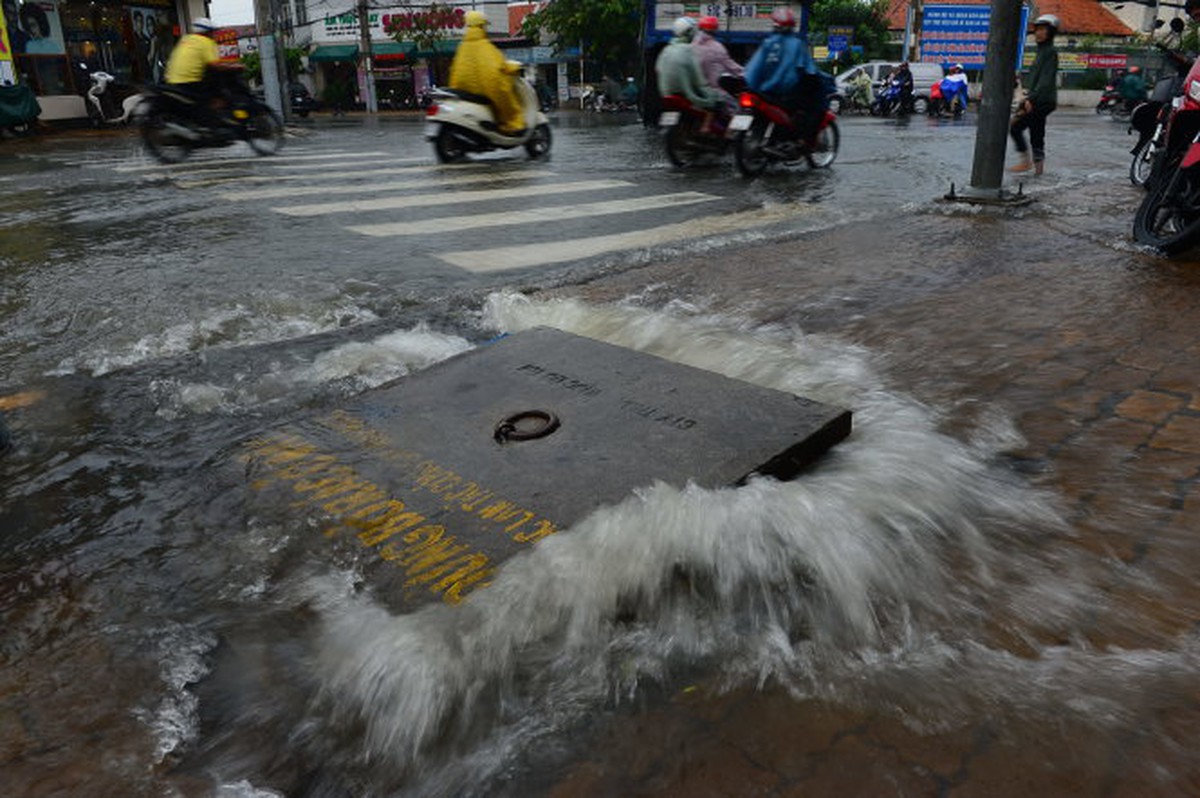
(924, 76)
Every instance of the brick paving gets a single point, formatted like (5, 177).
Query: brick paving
(1092, 348)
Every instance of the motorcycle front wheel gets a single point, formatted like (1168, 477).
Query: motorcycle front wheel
(264, 131)
(1143, 163)
(538, 145)
(161, 133)
(1169, 217)
(825, 150)
(748, 150)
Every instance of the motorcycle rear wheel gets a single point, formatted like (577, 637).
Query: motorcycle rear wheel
(1143, 163)
(748, 152)
(1169, 217)
(538, 145)
(264, 131)
(826, 149)
(448, 147)
(160, 138)
(678, 142)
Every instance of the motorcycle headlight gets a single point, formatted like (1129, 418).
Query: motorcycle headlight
(1194, 90)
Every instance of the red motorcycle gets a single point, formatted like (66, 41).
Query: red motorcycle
(1169, 217)
(691, 133)
(765, 133)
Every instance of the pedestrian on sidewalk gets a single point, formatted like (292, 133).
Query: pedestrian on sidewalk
(1041, 98)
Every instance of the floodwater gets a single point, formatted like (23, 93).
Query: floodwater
(165, 634)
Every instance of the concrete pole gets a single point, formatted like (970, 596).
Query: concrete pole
(914, 40)
(368, 56)
(269, 54)
(991, 133)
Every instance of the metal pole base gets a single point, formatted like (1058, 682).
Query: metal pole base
(990, 196)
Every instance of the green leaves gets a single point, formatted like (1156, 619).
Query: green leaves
(607, 30)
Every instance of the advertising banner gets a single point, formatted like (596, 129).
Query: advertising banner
(227, 43)
(734, 17)
(33, 28)
(7, 73)
(151, 32)
(958, 34)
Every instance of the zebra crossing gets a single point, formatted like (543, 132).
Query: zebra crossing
(538, 215)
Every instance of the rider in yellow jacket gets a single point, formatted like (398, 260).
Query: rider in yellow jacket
(480, 68)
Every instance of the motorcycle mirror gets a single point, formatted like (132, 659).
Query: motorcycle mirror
(1177, 25)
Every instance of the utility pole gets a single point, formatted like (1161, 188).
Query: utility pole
(270, 54)
(917, 9)
(368, 57)
(991, 133)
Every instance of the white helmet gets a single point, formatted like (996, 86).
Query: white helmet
(1047, 19)
(684, 27)
(203, 23)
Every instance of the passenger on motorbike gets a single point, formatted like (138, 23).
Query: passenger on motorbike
(1132, 88)
(480, 68)
(955, 87)
(783, 70)
(715, 59)
(196, 71)
(678, 70)
(903, 76)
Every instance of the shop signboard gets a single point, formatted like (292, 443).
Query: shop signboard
(227, 44)
(7, 73)
(959, 33)
(734, 17)
(344, 28)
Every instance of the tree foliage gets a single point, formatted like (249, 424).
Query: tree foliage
(869, 18)
(607, 30)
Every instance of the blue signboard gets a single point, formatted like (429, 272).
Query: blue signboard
(958, 35)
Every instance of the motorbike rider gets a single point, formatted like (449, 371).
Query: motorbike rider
(904, 76)
(196, 71)
(715, 59)
(860, 89)
(678, 70)
(954, 85)
(783, 70)
(1132, 87)
(480, 68)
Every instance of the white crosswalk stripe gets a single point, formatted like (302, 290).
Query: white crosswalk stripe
(451, 198)
(534, 215)
(398, 185)
(258, 159)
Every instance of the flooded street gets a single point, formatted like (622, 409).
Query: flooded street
(985, 590)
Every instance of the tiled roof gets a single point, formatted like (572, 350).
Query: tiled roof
(1080, 17)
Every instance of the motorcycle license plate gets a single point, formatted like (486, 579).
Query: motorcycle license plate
(431, 131)
(668, 118)
(741, 122)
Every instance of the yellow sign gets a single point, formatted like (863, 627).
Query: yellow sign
(5, 47)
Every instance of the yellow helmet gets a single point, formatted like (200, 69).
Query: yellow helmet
(476, 19)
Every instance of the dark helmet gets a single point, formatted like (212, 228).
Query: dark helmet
(783, 18)
(710, 24)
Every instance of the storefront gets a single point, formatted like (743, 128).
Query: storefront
(54, 44)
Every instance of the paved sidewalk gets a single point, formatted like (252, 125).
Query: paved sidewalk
(1091, 347)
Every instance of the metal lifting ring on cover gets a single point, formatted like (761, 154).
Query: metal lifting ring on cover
(510, 429)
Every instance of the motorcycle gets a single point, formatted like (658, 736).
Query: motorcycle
(689, 132)
(1168, 218)
(459, 123)
(765, 133)
(947, 97)
(102, 104)
(888, 99)
(1110, 100)
(170, 133)
(1150, 118)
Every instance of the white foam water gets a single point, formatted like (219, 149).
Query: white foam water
(894, 561)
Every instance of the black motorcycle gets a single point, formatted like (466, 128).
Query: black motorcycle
(170, 131)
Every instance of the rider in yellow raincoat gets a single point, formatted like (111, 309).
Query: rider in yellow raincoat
(480, 68)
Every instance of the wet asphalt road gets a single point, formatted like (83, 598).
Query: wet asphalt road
(1041, 335)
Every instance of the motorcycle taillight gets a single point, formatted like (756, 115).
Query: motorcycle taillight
(746, 100)
(431, 110)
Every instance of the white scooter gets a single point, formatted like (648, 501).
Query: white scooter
(459, 123)
(101, 103)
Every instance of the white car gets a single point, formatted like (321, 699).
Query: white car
(924, 76)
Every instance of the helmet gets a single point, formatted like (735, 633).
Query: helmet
(475, 19)
(959, 67)
(1133, 70)
(684, 27)
(710, 24)
(783, 18)
(1047, 19)
(203, 23)
(1190, 6)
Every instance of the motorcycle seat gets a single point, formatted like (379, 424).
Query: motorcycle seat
(469, 96)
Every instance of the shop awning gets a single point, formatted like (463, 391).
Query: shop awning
(334, 52)
(392, 51)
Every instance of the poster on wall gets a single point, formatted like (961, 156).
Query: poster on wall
(149, 52)
(33, 28)
(7, 74)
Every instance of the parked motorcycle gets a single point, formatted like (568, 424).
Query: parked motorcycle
(1150, 118)
(765, 134)
(459, 123)
(170, 133)
(108, 103)
(1168, 218)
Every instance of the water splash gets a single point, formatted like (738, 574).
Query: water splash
(901, 536)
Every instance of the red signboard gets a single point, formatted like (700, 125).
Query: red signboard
(1107, 60)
